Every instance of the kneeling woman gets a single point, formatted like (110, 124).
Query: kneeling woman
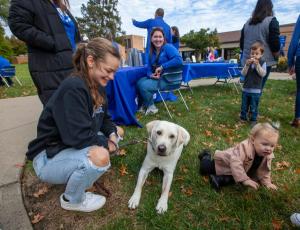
(162, 56)
(75, 133)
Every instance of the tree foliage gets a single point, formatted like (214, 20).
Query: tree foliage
(100, 18)
(201, 40)
(4, 4)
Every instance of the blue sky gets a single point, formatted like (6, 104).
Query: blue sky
(225, 15)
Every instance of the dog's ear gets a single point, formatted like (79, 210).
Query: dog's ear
(150, 126)
(183, 136)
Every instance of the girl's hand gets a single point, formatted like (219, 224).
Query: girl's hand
(251, 183)
(292, 70)
(271, 186)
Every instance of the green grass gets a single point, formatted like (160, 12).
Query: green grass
(27, 87)
(212, 123)
(216, 109)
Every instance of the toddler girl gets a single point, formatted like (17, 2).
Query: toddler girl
(249, 162)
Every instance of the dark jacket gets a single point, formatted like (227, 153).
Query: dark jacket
(69, 121)
(37, 23)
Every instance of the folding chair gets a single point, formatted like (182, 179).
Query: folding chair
(8, 72)
(174, 78)
(236, 72)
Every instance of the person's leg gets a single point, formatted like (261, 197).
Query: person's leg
(147, 87)
(297, 103)
(265, 78)
(73, 167)
(254, 102)
(244, 106)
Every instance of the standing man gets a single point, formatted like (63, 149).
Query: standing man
(151, 23)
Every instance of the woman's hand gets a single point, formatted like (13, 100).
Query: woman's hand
(292, 70)
(112, 143)
(158, 71)
(251, 183)
(155, 76)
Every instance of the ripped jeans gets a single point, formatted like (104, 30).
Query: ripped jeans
(71, 167)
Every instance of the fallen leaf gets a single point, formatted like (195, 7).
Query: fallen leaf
(123, 170)
(170, 194)
(207, 144)
(187, 191)
(37, 218)
(122, 152)
(41, 192)
(277, 224)
(297, 171)
(282, 165)
(206, 179)
(19, 165)
(183, 169)
(224, 218)
(208, 133)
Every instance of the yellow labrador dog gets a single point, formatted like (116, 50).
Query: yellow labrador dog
(165, 144)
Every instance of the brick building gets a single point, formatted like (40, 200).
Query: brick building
(230, 42)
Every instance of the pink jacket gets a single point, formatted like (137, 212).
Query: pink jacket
(237, 161)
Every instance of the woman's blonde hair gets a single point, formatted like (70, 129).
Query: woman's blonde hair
(98, 48)
(264, 127)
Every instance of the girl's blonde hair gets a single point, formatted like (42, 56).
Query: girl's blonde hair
(264, 127)
(98, 48)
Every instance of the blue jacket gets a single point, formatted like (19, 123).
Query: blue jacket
(169, 57)
(150, 24)
(294, 48)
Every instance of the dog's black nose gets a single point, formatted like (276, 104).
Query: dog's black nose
(161, 148)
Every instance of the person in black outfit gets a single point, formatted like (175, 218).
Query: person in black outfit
(51, 34)
(75, 133)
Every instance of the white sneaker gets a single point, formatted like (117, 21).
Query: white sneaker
(151, 110)
(295, 219)
(91, 203)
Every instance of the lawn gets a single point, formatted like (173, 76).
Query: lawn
(193, 204)
(27, 87)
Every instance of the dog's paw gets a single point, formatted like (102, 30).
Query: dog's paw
(162, 206)
(134, 201)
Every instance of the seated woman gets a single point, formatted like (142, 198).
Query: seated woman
(162, 56)
(75, 133)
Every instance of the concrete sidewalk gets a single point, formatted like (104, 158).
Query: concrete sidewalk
(18, 118)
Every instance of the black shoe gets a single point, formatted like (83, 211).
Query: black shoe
(218, 181)
(213, 179)
(204, 154)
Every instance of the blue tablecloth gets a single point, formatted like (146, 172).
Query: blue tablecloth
(121, 94)
(203, 70)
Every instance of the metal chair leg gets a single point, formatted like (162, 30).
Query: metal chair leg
(165, 104)
(183, 100)
(18, 81)
(4, 80)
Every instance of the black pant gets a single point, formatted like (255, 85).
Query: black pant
(207, 167)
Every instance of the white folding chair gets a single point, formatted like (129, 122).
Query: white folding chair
(9, 72)
(235, 72)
